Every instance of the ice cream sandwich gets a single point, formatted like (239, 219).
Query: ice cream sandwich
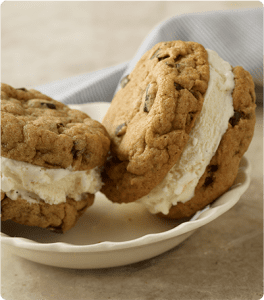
(50, 160)
(179, 126)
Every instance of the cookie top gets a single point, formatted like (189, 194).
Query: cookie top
(150, 118)
(44, 132)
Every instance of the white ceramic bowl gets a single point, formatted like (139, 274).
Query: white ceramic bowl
(109, 234)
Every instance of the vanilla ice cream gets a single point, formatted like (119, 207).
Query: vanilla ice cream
(34, 183)
(180, 182)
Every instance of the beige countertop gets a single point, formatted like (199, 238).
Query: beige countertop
(46, 41)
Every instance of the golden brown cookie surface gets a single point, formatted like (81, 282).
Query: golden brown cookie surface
(44, 132)
(222, 170)
(150, 118)
(59, 218)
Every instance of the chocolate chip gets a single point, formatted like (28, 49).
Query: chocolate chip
(75, 152)
(49, 105)
(52, 165)
(161, 58)
(208, 181)
(190, 117)
(196, 94)
(155, 54)
(149, 99)
(169, 64)
(213, 168)
(179, 57)
(178, 86)
(59, 125)
(22, 89)
(236, 117)
(120, 129)
(124, 81)
(172, 65)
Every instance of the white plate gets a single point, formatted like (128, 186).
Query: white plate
(110, 235)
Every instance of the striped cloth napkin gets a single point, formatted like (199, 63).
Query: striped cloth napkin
(236, 35)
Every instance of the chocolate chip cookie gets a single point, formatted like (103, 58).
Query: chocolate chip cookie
(51, 159)
(153, 115)
(150, 118)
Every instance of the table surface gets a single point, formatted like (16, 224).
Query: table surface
(46, 41)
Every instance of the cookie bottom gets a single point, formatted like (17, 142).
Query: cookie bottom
(221, 173)
(58, 218)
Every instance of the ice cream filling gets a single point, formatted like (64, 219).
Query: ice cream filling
(180, 182)
(34, 183)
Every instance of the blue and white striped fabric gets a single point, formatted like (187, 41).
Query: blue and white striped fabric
(236, 35)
